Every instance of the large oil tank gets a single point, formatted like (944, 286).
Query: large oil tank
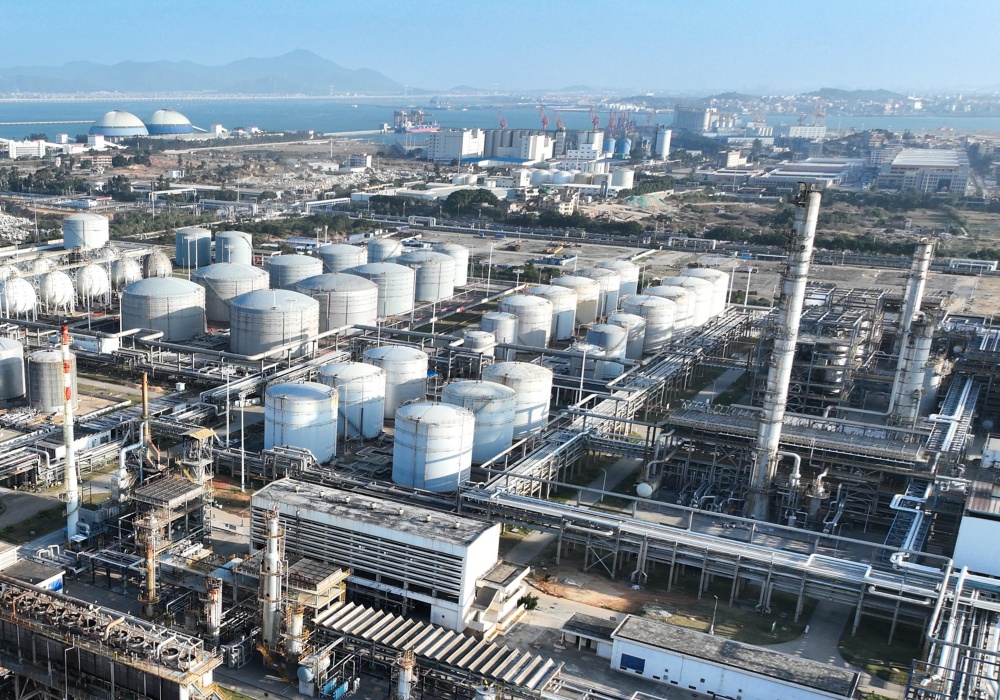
(223, 281)
(156, 264)
(234, 247)
(193, 247)
(494, 407)
(588, 296)
(704, 297)
(610, 282)
(629, 273)
(344, 300)
(720, 286)
(46, 382)
(125, 271)
(686, 301)
(171, 305)
(564, 302)
(395, 286)
(85, 231)
(613, 339)
(17, 297)
(267, 319)
(659, 314)
(302, 415)
(635, 327)
(503, 326)
(434, 274)
(479, 342)
(287, 270)
(362, 397)
(586, 359)
(461, 256)
(338, 257)
(432, 448)
(623, 178)
(56, 291)
(534, 318)
(381, 249)
(92, 284)
(405, 374)
(533, 385)
(11, 369)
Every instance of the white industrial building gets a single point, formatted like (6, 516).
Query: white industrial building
(518, 144)
(452, 144)
(926, 170)
(802, 131)
(981, 520)
(26, 149)
(824, 172)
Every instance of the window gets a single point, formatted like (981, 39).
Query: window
(632, 663)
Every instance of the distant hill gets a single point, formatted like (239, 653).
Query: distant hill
(837, 94)
(298, 72)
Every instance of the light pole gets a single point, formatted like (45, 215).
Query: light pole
(604, 485)
(517, 281)
(243, 447)
(489, 270)
(746, 294)
(715, 609)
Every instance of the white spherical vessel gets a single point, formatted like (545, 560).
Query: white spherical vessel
(564, 301)
(192, 247)
(503, 326)
(588, 296)
(533, 385)
(659, 315)
(85, 231)
(92, 284)
(234, 247)
(11, 369)
(635, 327)
(269, 319)
(405, 374)
(434, 274)
(17, 297)
(432, 448)
(156, 264)
(56, 291)
(174, 306)
(381, 249)
(704, 294)
(627, 271)
(720, 286)
(361, 388)
(287, 270)
(686, 300)
(8, 272)
(395, 286)
(223, 281)
(534, 318)
(338, 257)
(494, 407)
(302, 415)
(461, 256)
(125, 271)
(344, 300)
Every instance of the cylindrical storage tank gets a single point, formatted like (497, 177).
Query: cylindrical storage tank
(302, 415)
(11, 369)
(659, 315)
(601, 179)
(395, 286)
(720, 286)
(125, 271)
(609, 145)
(461, 255)
(623, 178)
(613, 339)
(344, 300)
(629, 273)
(405, 374)
(533, 385)
(432, 449)
(193, 247)
(434, 274)
(623, 147)
(234, 247)
(17, 297)
(223, 281)
(704, 297)
(494, 407)
(686, 300)
(85, 231)
(564, 300)
(56, 290)
(503, 326)
(583, 178)
(338, 257)
(46, 383)
(562, 177)
(156, 264)
(171, 305)
(92, 283)
(588, 296)
(587, 359)
(635, 327)
(610, 282)
(271, 318)
(381, 249)
(479, 342)
(534, 318)
(361, 388)
(540, 177)
(286, 270)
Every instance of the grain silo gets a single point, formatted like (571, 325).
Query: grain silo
(174, 306)
(268, 319)
(223, 281)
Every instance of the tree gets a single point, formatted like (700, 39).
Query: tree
(267, 194)
(119, 161)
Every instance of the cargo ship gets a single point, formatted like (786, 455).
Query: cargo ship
(414, 122)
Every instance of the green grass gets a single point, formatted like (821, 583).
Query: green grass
(41, 523)
(869, 650)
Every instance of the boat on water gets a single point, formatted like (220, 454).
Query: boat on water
(414, 122)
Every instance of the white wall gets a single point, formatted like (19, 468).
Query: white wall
(973, 532)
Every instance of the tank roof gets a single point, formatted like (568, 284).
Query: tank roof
(194, 229)
(301, 390)
(334, 282)
(267, 299)
(46, 356)
(351, 370)
(118, 122)
(434, 412)
(378, 268)
(86, 217)
(646, 300)
(518, 370)
(167, 116)
(396, 352)
(479, 389)
(10, 343)
(229, 271)
(331, 247)
(161, 286)
(292, 260)
(425, 256)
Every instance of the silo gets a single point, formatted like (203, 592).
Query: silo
(234, 247)
(503, 326)
(609, 145)
(381, 249)
(479, 342)
(686, 300)
(533, 385)
(534, 318)
(286, 270)
(46, 382)
(586, 358)
(610, 282)
(613, 339)
(704, 294)
(223, 281)
(405, 374)
(302, 415)
(85, 231)
(174, 306)
(461, 256)
(434, 274)
(193, 247)
(659, 314)
(11, 369)
(635, 326)
(344, 300)
(564, 301)
(432, 448)
(720, 286)
(562, 177)
(92, 284)
(540, 177)
(125, 271)
(361, 388)
(156, 264)
(395, 286)
(494, 407)
(17, 297)
(623, 178)
(267, 319)
(338, 257)
(629, 273)
(588, 296)
(56, 291)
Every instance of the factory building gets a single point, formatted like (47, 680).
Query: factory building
(696, 119)
(519, 144)
(808, 132)
(455, 144)
(926, 170)
(823, 172)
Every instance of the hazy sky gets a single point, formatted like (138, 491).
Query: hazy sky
(650, 45)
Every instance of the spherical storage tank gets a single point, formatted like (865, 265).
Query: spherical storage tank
(156, 264)
(85, 231)
(564, 302)
(287, 270)
(659, 315)
(118, 124)
(361, 389)
(302, 415)
(704, 295)
(405, 374)
(613, 340)
(461, 255)
(165, 122)
(267, 319)
(534, 318)
(623, 178)
(193, 247)
(686, 300)
(171, 305)
(395, 286)
(17, 297)
(125, 271)
(47, 383)
(11, 369)
(541, 177)
(56, 290)
(635, 327)
(222, 282)
(8, 272)
(588, 296)
(610, 282)
(479, 342)
(533, 385)
(338, 257)
(432, 448)
(344, 300)
(494, 407)
(503, 326)
(628, 271)
(381, 249)
(434, 274)
(234, 247)
(720, 286)
(92, 283)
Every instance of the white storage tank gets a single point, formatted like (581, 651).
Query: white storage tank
(720, 286)
(659, 315)
(56, 291)
(432, 448)
(613, 339)
(234, 247)
(302, 415)
(533, 385)
(267, 319)
(686, 300)
(461, 256)
(381, 249)
(541, 177)
(361, 389)
(562, 177)
(587, 359)
(46, 382)
(534, 318)
(405, 374)
(156, 264)
(623, 178)
(11, 369)
(171, 305)
(8, 272)
(629, 273)
(588, 296)
(564, 301)
(223, 281)
(479, 342)
(125, 271)
(503, 326)
(610, 282)
(434, 274)
(338, 257)
(395, 286)
(85, 231)
(193, 247)
(494, 407)
(92, 284)
(635, 327)
(344, 300)
(17, 297)
(704, 297)
(286, 270)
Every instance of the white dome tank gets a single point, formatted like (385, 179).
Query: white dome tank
(494, 407)
(362, 397)
(629, 273)
(686, 300)
(11, 369)
(720, 286)
(381, 249)
(223, 281)
(613, 339)
(587, 359)
(234, 247)
(344, 300)
(479, 342)
(704, 294)
(562, 177)
(56, 291)
(42, 265)
(541, 177)
(125, 271)
(434, 274)
(610, 282)
(564, 301)
(395, 286)
(659, 314)
(270, 318)
(623, 178)
(432, 448)
(338, 257)
(503, 326)
(171, 305)
(533, 385)
(85, 231)
(46, 383)
(534, 318)
(581, 178)
(635, 326)
(193, 247)
(156, 264)
(92, 284)
(286, 270)
(405, 374)
(17, 297)
(588, 296)
(461, 255)
(302, 415)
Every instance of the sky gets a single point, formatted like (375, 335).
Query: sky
(672, 46)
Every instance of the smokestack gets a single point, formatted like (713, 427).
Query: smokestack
(72, 482)
(922, 256)
(270, 582)
(911, 370)
(793, 292)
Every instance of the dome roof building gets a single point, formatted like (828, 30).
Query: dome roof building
(166, 122)
(120, 125)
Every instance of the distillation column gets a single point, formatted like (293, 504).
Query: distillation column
(213, 609)
(914, 293)
(72, 481)
(913, 365)
(148, 597)
(270, 583)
